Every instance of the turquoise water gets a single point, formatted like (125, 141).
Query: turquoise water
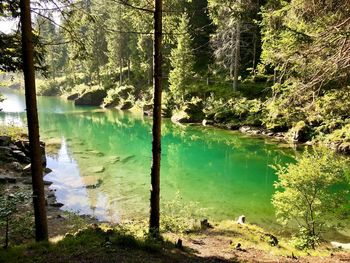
(224, 172)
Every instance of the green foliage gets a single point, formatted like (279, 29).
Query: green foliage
(9, 202)
(119, 96)
(237, 111)
(13, 131)
(179, 218)
(312, 193)
(182, 61)
(48, 88)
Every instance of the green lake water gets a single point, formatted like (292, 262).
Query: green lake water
(224, 172)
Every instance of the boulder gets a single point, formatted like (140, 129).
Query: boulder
(300, 132)
(97, 169)
(207, 122)
(5, 140)
(7, 179)
(241, 220)
(126, 105)
(180, 117)
(73, 96)
(91, 98)
(16, 166)
(244, 129)
(113, 103)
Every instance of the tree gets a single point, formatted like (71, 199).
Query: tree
(157, 117)
(200, 28)
(312, 193)
(182, 61)
(41, 232)
(236, 39)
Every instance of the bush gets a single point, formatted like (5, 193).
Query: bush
(312, 193)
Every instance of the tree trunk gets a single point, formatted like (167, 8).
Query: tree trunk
(33, 124)
(128, 69)
(120, 70)
(156, 130)
(237, 54)
(254, 52)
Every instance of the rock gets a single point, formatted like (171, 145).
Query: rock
(27, 169)
(56, 204)
(63, 217)
(239, 247)
(16, 166)
(91, 181)
(127, 159)
(340, 245)
(5, 152)
(205, 224)
(51, 195)
(180, 117)
(207, 122)
(113, 103)
(127, 105)
(91, 98)
(343, 148)
(93, 186)
(244, 129)
(269, 238)
(97, 153)
(7, 179)
(47, 182)
(241, 220)
(5, 140)
(147, 109)
(47, 170)
(28, 181)
(97, 169)
(178, 244)
(113, 159)
(73, 96)
(300, 132)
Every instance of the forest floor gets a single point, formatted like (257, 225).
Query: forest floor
(76, 238)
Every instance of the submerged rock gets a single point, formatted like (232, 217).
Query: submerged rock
(97, 169)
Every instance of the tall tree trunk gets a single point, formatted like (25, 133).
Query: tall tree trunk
(237, 54)
(33, 124)
(128, 69)
(254, 52)
(120, 70)
(157, 117)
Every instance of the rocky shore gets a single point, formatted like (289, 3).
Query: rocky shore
(15, 176)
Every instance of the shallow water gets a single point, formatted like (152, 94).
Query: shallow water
(224, 172)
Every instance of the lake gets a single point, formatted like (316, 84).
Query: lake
(101, 163)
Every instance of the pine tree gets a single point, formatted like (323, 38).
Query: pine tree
(182, 61)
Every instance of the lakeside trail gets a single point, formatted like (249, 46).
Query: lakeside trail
(214, 244)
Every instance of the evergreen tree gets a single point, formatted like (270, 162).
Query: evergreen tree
(182, 61)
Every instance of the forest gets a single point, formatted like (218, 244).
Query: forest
(215, 83)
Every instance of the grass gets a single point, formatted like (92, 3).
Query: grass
(92, 244)
(252, 236)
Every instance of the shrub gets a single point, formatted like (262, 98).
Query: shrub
(312, 193)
